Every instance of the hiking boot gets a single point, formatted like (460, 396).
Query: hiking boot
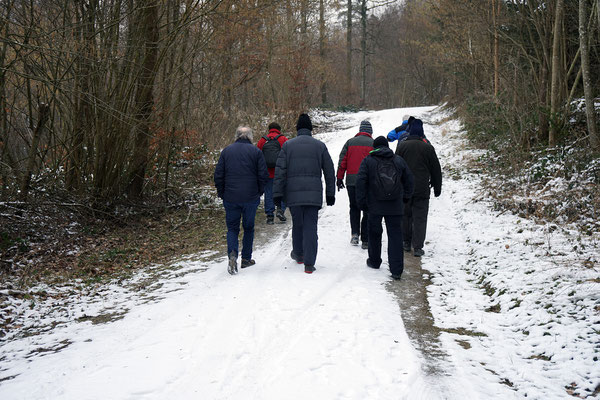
(297, 258)
(270, 220)
(396, 277)
(354, 240)
(281, 214)
(370, 264)
(364, 245)
(232, 265)
(309, 269)
(247, 263)
(406, 246)
(418, 252)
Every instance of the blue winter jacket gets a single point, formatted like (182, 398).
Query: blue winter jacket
(241, 173)
(398, 133)
(300, 164)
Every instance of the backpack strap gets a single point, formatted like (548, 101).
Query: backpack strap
(275, 138)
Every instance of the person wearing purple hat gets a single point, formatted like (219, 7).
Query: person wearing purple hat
(422, 160)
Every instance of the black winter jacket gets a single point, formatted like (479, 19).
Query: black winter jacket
(367, 180)
(423, 163)
(241, 173)
(298, 171)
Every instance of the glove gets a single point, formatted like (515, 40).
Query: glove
(277, 201)
(437, 192)
(330, 200)
(406, 200)
(340, 184)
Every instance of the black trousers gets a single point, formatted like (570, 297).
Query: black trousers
(393, 224)
(414, 222)
(356, 225)
(304, 232)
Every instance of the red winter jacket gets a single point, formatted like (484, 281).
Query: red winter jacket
(354, 151)
(272, 134)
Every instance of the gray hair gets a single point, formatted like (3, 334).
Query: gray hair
(406, 117)
(243, 132)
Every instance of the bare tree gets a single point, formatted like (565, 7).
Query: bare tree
(585, 68)
(556, 68)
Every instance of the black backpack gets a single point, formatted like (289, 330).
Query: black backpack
(389, 185)
(271, 150)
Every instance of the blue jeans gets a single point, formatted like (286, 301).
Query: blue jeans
(269, 205)
(234, 212)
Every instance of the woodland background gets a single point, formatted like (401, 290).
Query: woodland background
(109, 107)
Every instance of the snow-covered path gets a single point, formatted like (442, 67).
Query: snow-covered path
(273, 332)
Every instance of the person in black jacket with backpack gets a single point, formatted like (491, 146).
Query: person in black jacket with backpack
(383, 185)
(423, 162)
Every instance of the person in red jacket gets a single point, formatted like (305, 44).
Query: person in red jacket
(352, 154)
(270, 146)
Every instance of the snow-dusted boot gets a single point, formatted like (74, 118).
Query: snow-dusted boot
(354, 240)
(280, 214)
(232, 266)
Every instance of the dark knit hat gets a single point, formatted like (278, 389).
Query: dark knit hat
(274, 125)
(380, 141)
(416, 128)
(365, 126)
(304, 122)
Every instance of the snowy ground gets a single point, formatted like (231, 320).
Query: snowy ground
(514, 313)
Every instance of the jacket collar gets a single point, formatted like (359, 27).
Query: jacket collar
(274, 132)
(363, 134)
(243, 140)
(304, 131)
(384, 152)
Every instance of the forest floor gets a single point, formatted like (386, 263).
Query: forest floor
(499, 307)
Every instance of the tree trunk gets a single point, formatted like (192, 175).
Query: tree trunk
(555, 85)
(44, 113)
(323, 87)
(349, 51)
(363, 49)
(495, 12)
(145, 98)
(587, 84)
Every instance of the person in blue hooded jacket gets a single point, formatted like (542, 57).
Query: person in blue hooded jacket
(240, 178)
(400, 133)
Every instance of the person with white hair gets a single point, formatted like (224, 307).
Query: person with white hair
(240, 178)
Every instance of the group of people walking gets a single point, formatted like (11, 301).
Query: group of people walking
(381, 185)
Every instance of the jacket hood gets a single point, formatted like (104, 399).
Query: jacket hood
(383, 152)
(274, 132)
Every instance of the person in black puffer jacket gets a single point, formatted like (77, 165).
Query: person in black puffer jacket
(425, 166)
(240, 178)
(298, 171)
(368, 197)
